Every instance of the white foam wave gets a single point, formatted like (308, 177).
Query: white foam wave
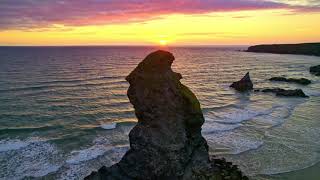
(312, 92)
(210, 126)
(15, 144)
(28, 159)
(277, 117)
(82, 162)
(240, 115)
(101, 145)
(41, 158)
(7, 145)
(234, 142)
(86, 154)
(84, 168)
(109, 126)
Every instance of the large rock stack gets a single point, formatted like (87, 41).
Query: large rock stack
(166, 143)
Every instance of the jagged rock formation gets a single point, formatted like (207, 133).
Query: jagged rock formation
(284, 92)
(302, 81)
(166, 143)
(303, 49)
(315, 70)
(244, 84)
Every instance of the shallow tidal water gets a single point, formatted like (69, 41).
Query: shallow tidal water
(64, 110)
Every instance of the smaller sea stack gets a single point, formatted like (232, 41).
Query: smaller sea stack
(245, 84)
(302, 81)
(284, 92)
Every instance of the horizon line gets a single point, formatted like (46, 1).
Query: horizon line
(123, 45)
(155, 45)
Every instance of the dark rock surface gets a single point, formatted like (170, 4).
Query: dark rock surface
(315, 70)
(302, 81)
(303, 49)
(283, 92)
(166, 143)
(244, 84)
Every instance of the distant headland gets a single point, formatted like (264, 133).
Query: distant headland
(312, 49)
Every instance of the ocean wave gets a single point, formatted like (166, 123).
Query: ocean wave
(310, 92)
(288, 170)
(221, 130)
(28, 159)
(239, 115)
(15, 144)
(37, 158)
(101, 145)
(233, 142)
(277, 117)
(28, 129)
(208, 109)
(211, 127)
(8, 145)
(82, 162)
(52, 87)
(72, 81)
(86, 154)
(109, 126)
(285, 155)
(81, 169)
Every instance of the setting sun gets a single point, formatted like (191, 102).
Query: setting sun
(163, 42)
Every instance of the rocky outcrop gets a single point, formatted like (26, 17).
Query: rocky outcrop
(166, 143)
(302, 81)
(284, 92)
(303, 49)
(244, 84)
(315, 70)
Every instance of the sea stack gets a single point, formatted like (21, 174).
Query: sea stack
(284, 92)
(166, 143)
(245, 84)
(302, 81)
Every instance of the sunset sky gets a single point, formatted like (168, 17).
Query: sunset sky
(152, 22)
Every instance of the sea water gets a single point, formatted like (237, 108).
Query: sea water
(64, 110)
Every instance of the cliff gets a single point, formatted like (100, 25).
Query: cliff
(166, 143)
(302, 49)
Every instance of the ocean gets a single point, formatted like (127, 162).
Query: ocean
(64, 110)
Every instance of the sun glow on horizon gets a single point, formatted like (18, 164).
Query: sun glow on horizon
(163, 42)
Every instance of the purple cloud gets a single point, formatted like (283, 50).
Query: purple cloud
(19, 14)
